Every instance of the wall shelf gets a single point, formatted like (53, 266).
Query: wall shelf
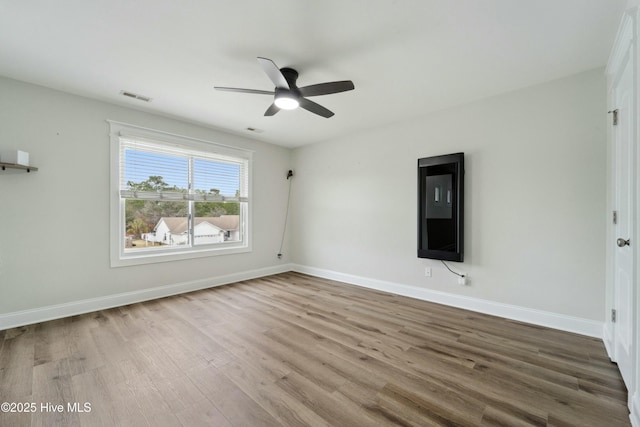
(9, 166)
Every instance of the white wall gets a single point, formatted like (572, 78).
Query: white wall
(54, 223)
(535, 207)
(535, 199)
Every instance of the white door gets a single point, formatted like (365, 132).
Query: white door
(624, 160)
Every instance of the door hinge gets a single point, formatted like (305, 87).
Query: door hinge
(613, 315)
(615, 116)
(615, 217)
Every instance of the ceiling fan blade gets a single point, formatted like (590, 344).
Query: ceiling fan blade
(274, 73)
(236, 89)
(327, 88)
(315, 108)
(273, 108)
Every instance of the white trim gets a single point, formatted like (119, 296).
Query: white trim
(634, 416)
(624, 37)
(624, 49)
(121, 258)
(42, 314)
(173, 253)
(607, 339)
(537, 317)
(562, 322)
(128, 130)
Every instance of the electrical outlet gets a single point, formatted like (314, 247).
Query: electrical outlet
(462, 280)
(427, 271)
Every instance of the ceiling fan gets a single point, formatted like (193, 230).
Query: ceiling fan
(288, 96)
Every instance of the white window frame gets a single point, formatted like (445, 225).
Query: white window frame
(119, 256)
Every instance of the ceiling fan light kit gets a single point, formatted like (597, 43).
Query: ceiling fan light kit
(287, 95)
(286, 100)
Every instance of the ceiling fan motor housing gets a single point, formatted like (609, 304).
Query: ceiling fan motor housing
(288, 98)
(290, 75)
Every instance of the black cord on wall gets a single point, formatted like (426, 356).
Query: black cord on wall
(457, 274)
(286, 214)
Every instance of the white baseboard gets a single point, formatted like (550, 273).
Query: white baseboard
(537, 317)
(607, 339)
(36, 315)
(562, 322)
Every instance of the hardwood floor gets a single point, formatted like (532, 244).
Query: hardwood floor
(291, 349)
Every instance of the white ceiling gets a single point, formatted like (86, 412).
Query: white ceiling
(405, 57)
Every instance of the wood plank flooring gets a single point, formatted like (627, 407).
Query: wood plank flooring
(294, 350)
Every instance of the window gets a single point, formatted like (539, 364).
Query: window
(175, 197)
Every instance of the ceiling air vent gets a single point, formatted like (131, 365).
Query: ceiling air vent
(135, 96)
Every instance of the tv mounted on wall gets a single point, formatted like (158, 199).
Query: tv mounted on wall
(441, 207)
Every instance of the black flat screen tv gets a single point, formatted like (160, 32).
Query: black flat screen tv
(441, 207)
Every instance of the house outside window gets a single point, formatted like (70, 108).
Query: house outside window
(174, 197)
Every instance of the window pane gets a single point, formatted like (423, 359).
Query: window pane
(216, 222)
(146, 171)
(154, 224)
(213, 177)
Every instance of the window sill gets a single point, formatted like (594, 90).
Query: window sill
(152, 257)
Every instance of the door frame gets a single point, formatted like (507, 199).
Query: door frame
(627, 38)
